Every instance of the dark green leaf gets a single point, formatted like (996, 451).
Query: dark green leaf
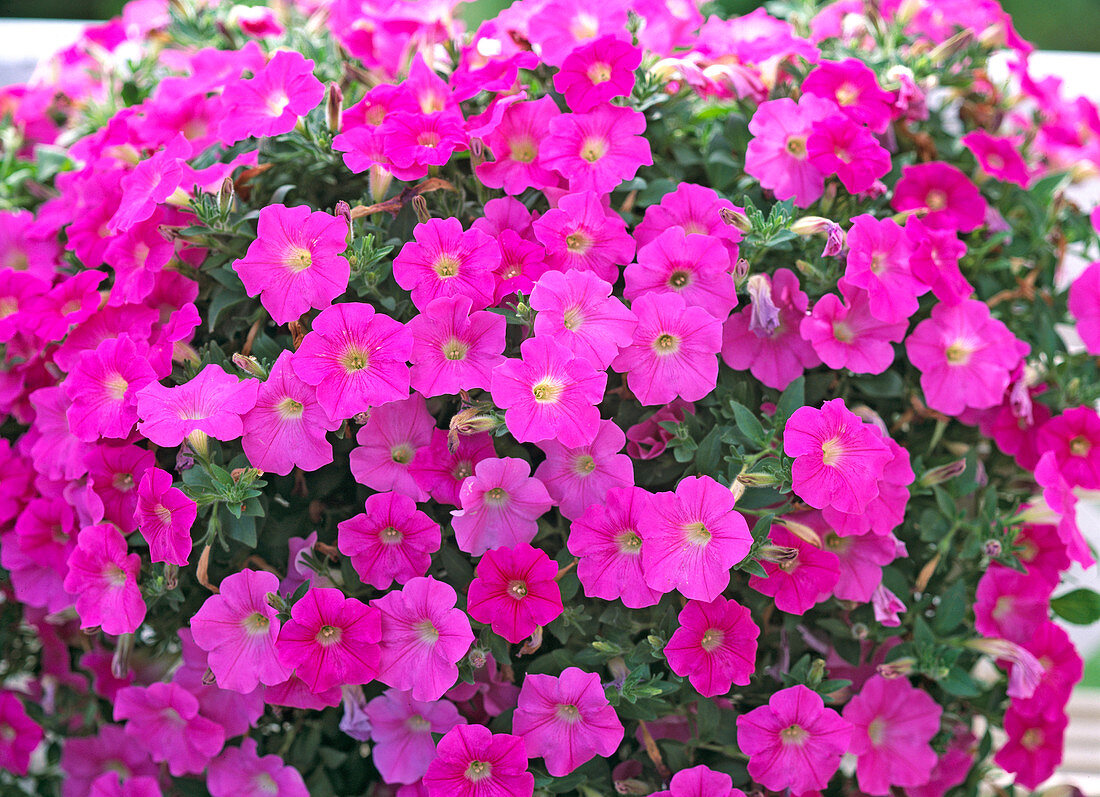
(1080, 607)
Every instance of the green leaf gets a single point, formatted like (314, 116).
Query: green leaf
(952, 609)
(959, 683)
(748, 424)
(884, 385)
(1080, 607)
(793, 398)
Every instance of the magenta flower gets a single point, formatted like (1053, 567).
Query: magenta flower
(581, 234)
(549, 393)
(935, 260)
(861, 559)
(794, 741)
(294, 263)
(330, 640)
(286, 428)
(851, 152)
(673, 353)
(445, 261)
(454, 349)
(879, 252)
(1059, 497)
(714, 647)
(764, 337)
(597, 71)
(104, 579)
(578, 477)
(501, 505)
(423, 638)
(471, 761)
(852, 85)
(102, 389)
(778, 156)
(85, 758)
(271, 102)
(238, 628)
(837, 459)
(388, 446)
(151, 183)
(356, 359)
(688, 265)
(213, 402)
(952, 201)
(515, 591)
(578, 311)
(115, 471)
(1084, 306)
(1034, 747)
(695, 209)
(566, 720)
(965, 356)
(596, 151)
(693, 539)
(165, 516)
(845, 334)
(803, 580)
(165, 719)
(19, 734)
(700, 782)
(391, 540)
(515, 143)
(414, 142)
(1074, 439)
(402, 730)
(892, 725)
(609, 543)
(243, 772)
(441, 471)
(998, 157)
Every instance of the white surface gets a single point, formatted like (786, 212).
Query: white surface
(23, 42)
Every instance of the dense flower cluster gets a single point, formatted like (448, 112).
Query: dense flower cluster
(608, 398)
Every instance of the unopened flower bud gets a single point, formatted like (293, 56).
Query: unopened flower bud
(208, 677)
(740, 272)
(810, 225)
(171, 576)
(860, 630)
(420, 207)
(943, 473)
(755, 479)
(1027, 671)
(120, 661)
(992, 548)
(334, 107)
(477, 152)
(952, 47)
(803, 532)
(478, 658)
(250, 365)
(777, 554)
(632, 786)
(379, 180)
(896, 669)
(226, 194)
(736, 218)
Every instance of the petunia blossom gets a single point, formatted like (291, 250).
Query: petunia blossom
(103, 576)
(165, 719)
(471, 761)
(596, 151)
(578, 311)
(444, 260)
(165, 516)
(714, 646)
(391, 540)
(402, 729)
(515, 591)
(453, 348)
(501, 504)
(270, 102)
(389, 443)
(213, 402)
(103, 386)
(581, 476)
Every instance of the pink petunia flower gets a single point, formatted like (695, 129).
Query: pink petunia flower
(581, 476)
(1084, 306)
(102, 388)
(165, 516)
(549, 393)
(840, 146)
(852, 85)
(778, 156)
(402, 730)
(579, 312)
(19, 734)
(501, 505)
(608, 541)
(388, 445)
(837, 459)
(804, 578)
(440, 471)
(793, 742)
(391, 540)
(1073, 437)
(764, 337)
(243, 772)
(213, 402)
(693, 539)
(515, 591)
(423, 638)
(714, 646)
(697, 210)
(965, 356)
(164, 718)
(515, 144)
(103, 576)
(673, 353)
(566, 720)
(596, 151)
(115, 471)
(845, 334)
(330, 640)
(286, 428)
(597, 71)
(238, 628)
(700, 782)
(1034, 747)
(892, 725)
(444, 260)
(270, 102)
(83, 759)
(151, 183)
(1062, 670)
(414, 142)
(952, 201)
(879, 252)
(861, 559)
(356, 359)
(1010, 604)
(998, 157)
(581, 234)
(454, 349)
(471, 761)
(1059, 497)
(935, 260)
(294, 263)
(688, 265)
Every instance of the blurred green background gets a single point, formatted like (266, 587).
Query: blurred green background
(1050, 24)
